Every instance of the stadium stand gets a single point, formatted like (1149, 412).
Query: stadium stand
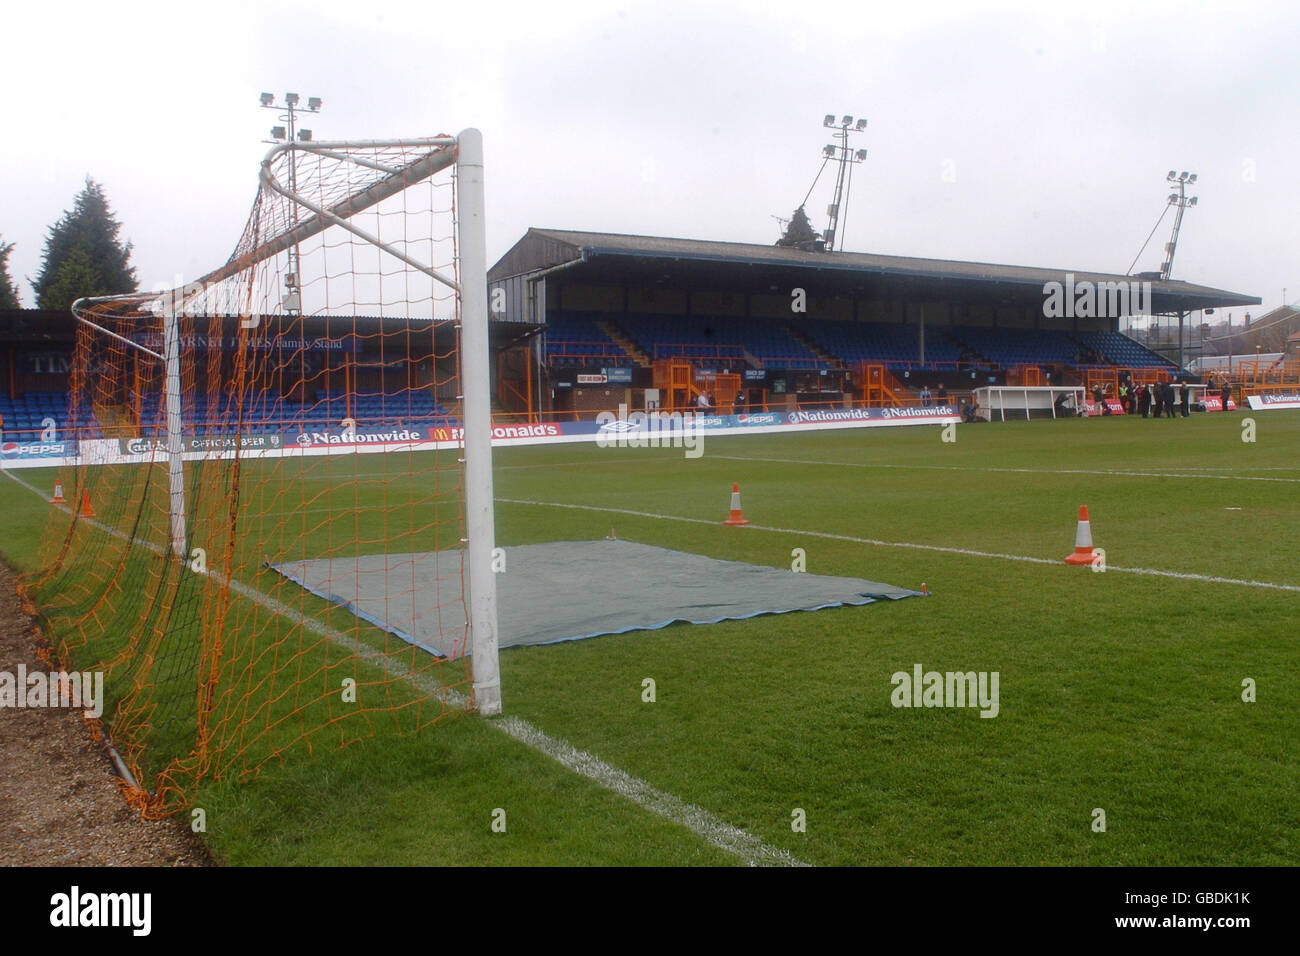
(893, 344)
(1115, 348)
(712, 341)
(1010, 347)
(576, 339)
(26, 416)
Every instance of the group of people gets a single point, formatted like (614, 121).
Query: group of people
(1158, 399)
(928, 398)
(706, 403)
(1153, 400)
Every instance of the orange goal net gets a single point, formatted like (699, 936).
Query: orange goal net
(317, 396)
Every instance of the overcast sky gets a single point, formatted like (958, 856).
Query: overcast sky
(1033, 134)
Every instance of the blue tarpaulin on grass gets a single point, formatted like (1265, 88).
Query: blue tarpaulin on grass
(570, 590)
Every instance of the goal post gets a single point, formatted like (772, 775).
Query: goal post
(476, 368)
(1022, 402)
(322, 396)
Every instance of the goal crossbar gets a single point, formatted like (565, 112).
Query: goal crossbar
(444, 151)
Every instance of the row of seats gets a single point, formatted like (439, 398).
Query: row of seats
(308, 424)
(1118, 349)
(575, 339)
(718, 338)
(895, 345)
(1009, 347)
(27, 416)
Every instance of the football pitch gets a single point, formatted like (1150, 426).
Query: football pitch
(1146, 712)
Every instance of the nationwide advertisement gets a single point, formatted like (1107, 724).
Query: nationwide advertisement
(623, 429)
(1274, 400)
(362, 435)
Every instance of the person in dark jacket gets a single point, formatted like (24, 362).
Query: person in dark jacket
(1225, 394)
(1144, 401)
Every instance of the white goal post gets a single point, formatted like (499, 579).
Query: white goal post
(350, 178)
(475, 371)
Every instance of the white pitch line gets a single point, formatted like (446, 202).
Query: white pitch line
(722, 835)
(969, 552)
(1018, 471)
(699, 821)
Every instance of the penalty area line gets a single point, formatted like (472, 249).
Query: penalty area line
(911, 545)
(699, 821)
(1011, 471)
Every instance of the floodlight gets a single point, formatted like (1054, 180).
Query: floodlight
(277, 132)
(861, 154)
(829, 120)
(828, 151)
(861, 124)
(1182, 177)
(291, 99)
(1193, 202)
(846, 121)
(267, 99)
(313, 103)
(1191, 178)
(304, 135)
(1172, 175)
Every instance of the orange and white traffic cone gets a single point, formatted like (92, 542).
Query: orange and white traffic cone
(86, 511)
(58, 498)
(737, 516)
(1083, 550)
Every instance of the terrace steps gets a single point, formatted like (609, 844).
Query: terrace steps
(621, 339)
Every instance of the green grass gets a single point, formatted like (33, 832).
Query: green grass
(1118, 690)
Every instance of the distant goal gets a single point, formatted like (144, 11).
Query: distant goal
(1003, 403)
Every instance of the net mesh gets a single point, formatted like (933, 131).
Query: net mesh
(316, 372)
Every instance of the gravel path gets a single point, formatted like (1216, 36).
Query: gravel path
(59, 804)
